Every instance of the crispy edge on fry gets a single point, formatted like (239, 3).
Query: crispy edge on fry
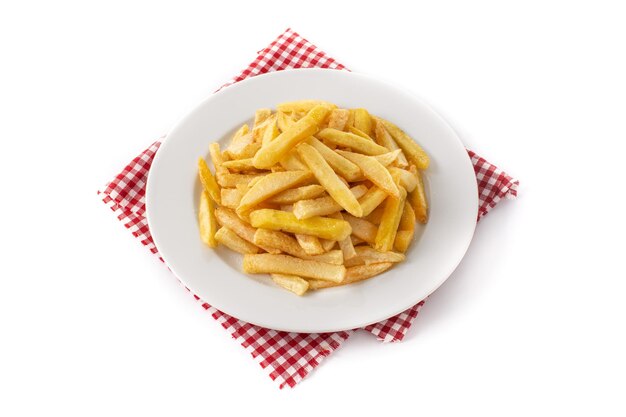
(341, 165)
(270, 185)
(208, 181)
(285, 264)
(366, 255)
(231, 240)
(305, 192)
(418, 200)
(322, 227)
(338, 119)
(374, 171)
(328, 179)
(372, 199)
(383, 138)
(362, 228)
(389, 223)
(353, 274)
(352, 141)
(206, 220)
(323, 206)
(291, 283)
(411, 149)
(310, 244)
(227, 218)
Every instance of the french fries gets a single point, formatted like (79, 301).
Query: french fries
(314, 195)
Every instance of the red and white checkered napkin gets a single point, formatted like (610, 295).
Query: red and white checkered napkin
(289, 357)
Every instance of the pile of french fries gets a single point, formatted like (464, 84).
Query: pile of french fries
(315, 195)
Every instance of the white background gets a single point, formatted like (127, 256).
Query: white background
(532, 322)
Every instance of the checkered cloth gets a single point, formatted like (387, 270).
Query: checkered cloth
(288, 357)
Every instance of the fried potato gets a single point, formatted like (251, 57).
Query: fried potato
(285, 243)
(246, 151)
(239, 165)
(232, 180)
(271, 132)
(352, 141)
(310, 244)
(284, 121)
(341, 165)
(363, 122)
(327, 244)
(285, 264)
(346, 246)
(338, 119)
(376, 215)
(407, 221)
(231, 240)
(404, 238)
(356, 241)
(388, 227)
(406, 179)
(353, 274)
(372, 199)
(360, 133)
(322, 227)
(217, 158)
(305, 192)
(208, 181)
(260, 116)
(322, 206)
(231, 197)
(413, 152)
(303, 106)
(328, 179)
(228, 218)
(292, 162)
(275, 150)
(291, 283)
(362, 228)
(418, 200)
(259, 129)
(366, 255)
(374, 171)
(383, 138)
(206, 220)
(270, 185)
(388, 158)
(241, 139)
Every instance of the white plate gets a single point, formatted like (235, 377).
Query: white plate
(215, 275)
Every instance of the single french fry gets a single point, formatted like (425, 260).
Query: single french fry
(388, 227)
(360, 133)
(366, 255)
(338, 119)
(322, 206)
(275, 150)
(285, 264)
(341, 165)
(292, 162)
(291, 283)
(353, 274)
(413, 152)
(346, 246)
(407, 221)
(239, 164)
(271, 132)
(363, 121)
(388, 158)
(303, 106)
(322, 227)
(206, 220)
(241, 139)
(328, 179)
(231, 197)
(285, 243)
(305, 192)
(372, 200)
(352, 141)
(284, 121)
(270, 185)
(227, 218)
(383, 138)
(208, 181)
(232, 180)
(310, 244)
(404, 178)
(231, 240)
(362, 228)
(403, 240)
(374, 171)
(244, 151)
(217, 158)
(418, 200)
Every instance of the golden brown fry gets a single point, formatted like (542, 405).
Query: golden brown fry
(388, 158)
(285, 243)
(360, 133)
(310, 244)
(374, 171)
(271, 132)
(347, 248)
(322, 206)
(231, 197)
(284, 121)
(328, 179)
(228, 218)
(353, 274)
(217, 158)
(376, 215)
(352, 141)
(275, 150)
(232, 180)
(241, 139)
(327, 244)
(363, 122)
(418, 200)
(366, 255)
(231, 240)
(338, 119)
(303, 106)
(291, 283)
(372, 199)
(306, 192)
(206, 220)
(322, 227)
(244, 152)
(413, 152)
(407, 221)
(403, 240)
(350, 121)
(208, 181)
(260, 116)
(341, 165)
(285, 264)
(239, 164)
(383, 138)
(292, 162)
(362, 228)
(270, 185)
(389, 223)
(404, 178)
